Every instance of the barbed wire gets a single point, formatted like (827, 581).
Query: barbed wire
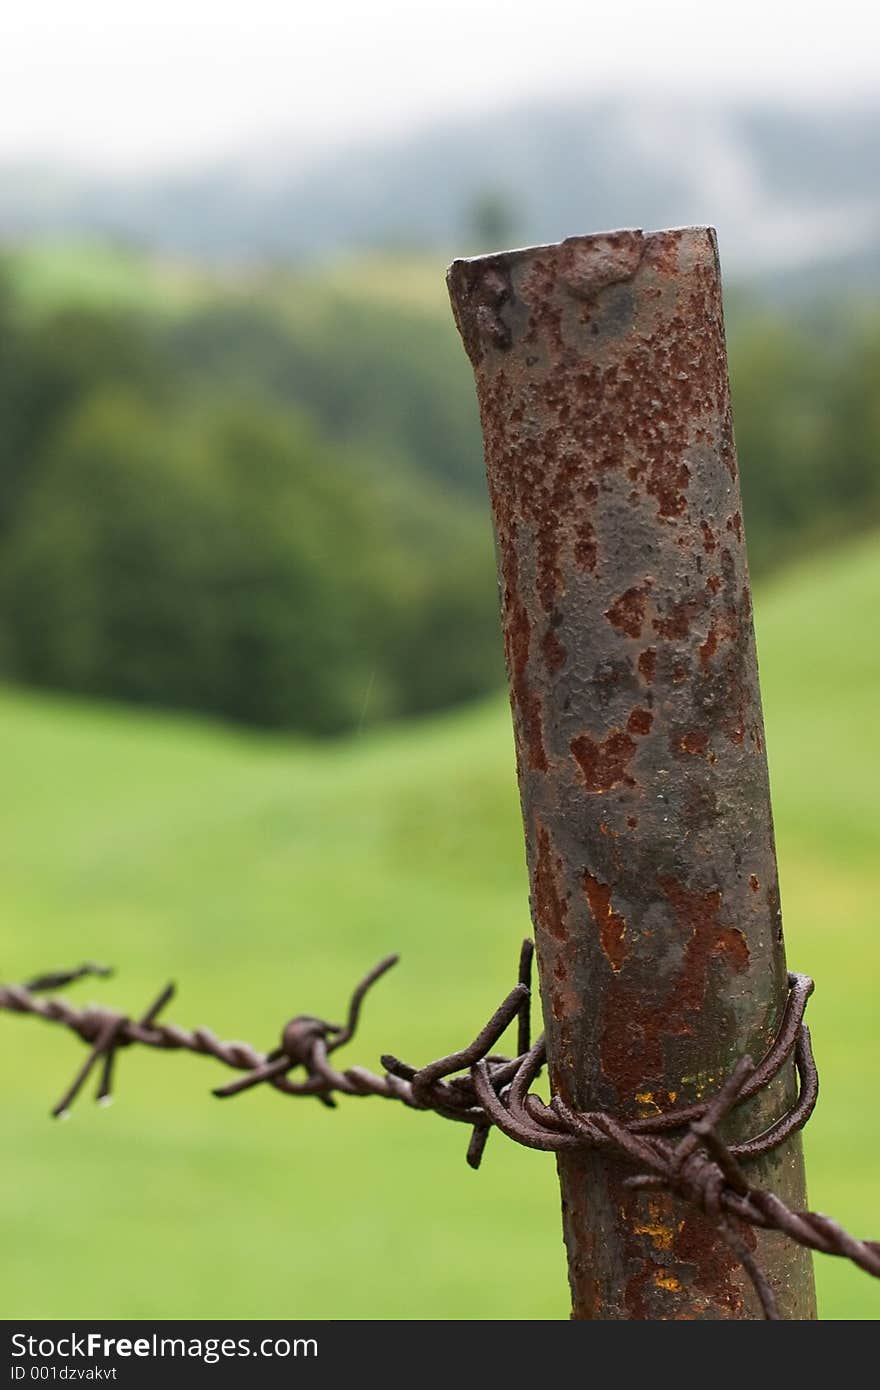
(679, 1151)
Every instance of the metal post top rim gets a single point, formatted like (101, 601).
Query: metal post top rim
(696, 236)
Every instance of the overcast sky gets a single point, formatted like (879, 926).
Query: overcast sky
(136, 84)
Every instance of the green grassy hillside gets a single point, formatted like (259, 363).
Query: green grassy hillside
(265, 876)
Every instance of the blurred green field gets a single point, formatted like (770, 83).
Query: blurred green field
(48, 273)
(265, 875)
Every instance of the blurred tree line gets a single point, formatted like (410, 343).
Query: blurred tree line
(221, 511)
(269, 506)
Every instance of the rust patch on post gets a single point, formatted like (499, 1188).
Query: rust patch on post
(648, 664)
(554, 652)
(549, 903)
(636, 1025)
(697, 917)
(627, 613)
(601, 377)
(694, 741)
(604, 764)
(640, 721)
(525, 699)
(612, 927)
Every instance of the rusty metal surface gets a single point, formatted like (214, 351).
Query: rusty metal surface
(601, 375)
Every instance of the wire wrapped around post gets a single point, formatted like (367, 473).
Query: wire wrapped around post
(681, 1152)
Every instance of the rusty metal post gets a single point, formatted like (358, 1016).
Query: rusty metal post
(601, 374)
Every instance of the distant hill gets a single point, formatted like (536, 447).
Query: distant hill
(788, 188)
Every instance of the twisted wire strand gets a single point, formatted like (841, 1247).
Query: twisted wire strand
(679, 1151)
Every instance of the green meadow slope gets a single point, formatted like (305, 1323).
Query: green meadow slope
(265, 875)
